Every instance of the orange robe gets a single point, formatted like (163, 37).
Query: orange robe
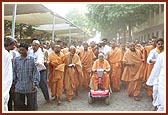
(139, 47)
(56, 70)
(133, 74)
(105, 79)
(73, 75)
(123, 52)
(65, 50)
(148, 68)
(87, 58)
(95, 50)
(115, 59)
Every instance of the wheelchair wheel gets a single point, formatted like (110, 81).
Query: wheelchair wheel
(90, 100)
(107, 100)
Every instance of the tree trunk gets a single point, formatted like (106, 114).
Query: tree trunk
(129, 33)
(124, 35)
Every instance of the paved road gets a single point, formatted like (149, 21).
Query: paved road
(120, 102)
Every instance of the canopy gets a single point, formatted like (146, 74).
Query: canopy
(59, 28)
(24, 9)
(32, 14)
(36, 19)
(63, 30)
(39, 16)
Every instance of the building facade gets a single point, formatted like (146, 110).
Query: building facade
(154, 26)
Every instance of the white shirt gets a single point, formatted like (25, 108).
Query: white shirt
(105, 49)
(50, 50)
(153, 54)
(158, 78)
(8, 75)
(158, 70)
(39, 58)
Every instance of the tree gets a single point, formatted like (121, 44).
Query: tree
(117, 17)
(23, 30)
(29, 30)
(7, 27)
(80, 19)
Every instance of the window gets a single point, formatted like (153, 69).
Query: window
(141, 38)
(162, 7)
(163, 33)
(157, 11)
(152, 34)
(148, 35)
(157, 34)
(144, 38)
(152, 14)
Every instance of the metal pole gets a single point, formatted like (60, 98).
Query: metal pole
(14, 20)
(53, 28)
(69, 34)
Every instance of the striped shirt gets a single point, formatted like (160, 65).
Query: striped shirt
(25, 74)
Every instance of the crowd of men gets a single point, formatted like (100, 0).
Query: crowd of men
(60, 68)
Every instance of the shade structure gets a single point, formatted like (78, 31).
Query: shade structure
(64, 30)
(32, 14)
(36, 19)
(38, 15)
(59, 28)
(24, 9)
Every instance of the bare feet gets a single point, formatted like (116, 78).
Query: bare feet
(69, 100)
(137, 98)
(58, 102)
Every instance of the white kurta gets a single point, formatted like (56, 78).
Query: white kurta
(105, 50)
(157, 79)
(153, 54)
(8, 78)
(39, 58)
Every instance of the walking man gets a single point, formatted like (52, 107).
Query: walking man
(56, 69)
(26, 79)
(37, 53)
(133, 70)
(73, 73)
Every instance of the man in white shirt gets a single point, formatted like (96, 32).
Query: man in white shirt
(157, 77)
(154, 53)
(9, 44)
(152, 60)
(51, 49)
(104, 47)
(38, 55)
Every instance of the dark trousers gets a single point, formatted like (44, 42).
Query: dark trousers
(11, 98)
(21, 105)
(11, 101)
(43, 84)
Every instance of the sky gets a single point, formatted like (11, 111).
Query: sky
(63, 8)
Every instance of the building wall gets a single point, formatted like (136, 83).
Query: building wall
(154, 26)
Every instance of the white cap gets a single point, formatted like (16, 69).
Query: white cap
(36, 41)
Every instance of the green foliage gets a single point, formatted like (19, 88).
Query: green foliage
(29, 30)
(46, 35)
(118, 16)
(7, 26)
(23, 30)
(80, 19)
